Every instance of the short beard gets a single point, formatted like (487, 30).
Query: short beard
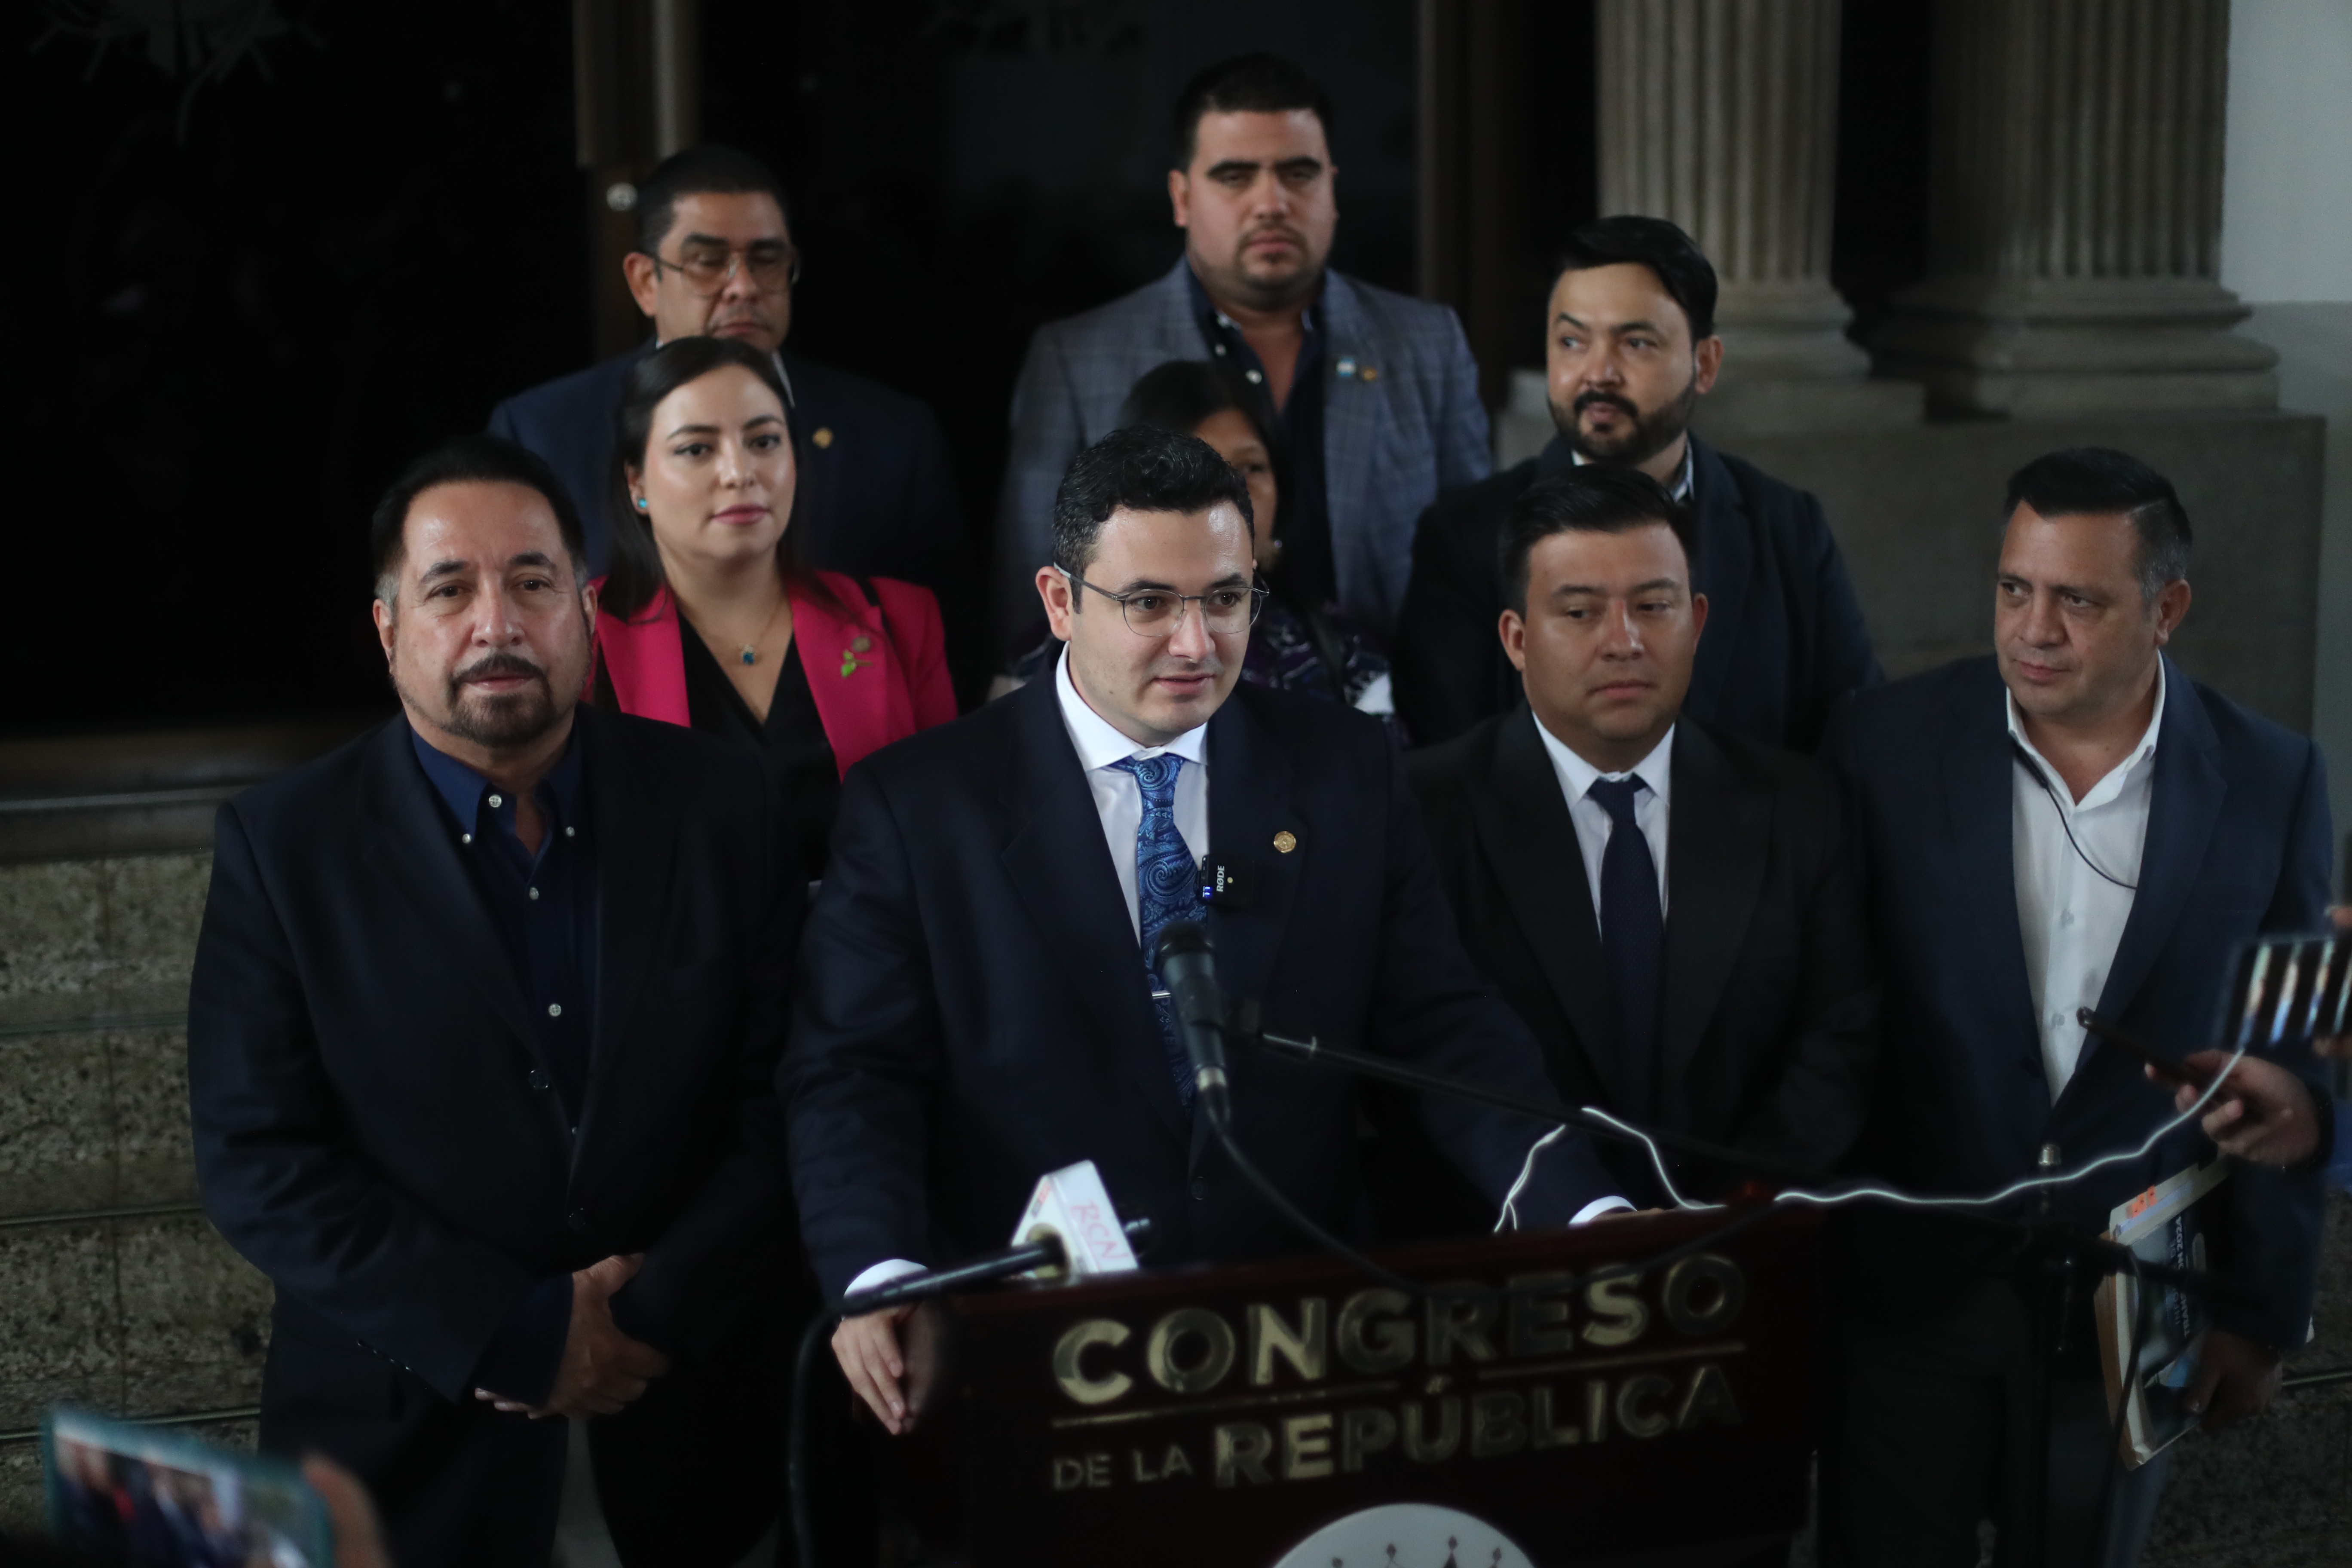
(505, 722)
(1647, 434)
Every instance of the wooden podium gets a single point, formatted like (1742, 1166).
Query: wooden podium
(1223, 1416)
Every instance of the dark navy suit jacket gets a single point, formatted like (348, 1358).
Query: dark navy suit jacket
(376, 1130)
(876, 499)
(2237, 844)
(1784, 640)
(974, 1011)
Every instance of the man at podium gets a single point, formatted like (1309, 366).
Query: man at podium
(977, 1003)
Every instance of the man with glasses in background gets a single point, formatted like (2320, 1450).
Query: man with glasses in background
(715, 258)
(981, 999)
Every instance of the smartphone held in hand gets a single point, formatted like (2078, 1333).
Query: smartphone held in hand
(156, 1499)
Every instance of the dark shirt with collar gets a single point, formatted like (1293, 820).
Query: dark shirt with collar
(542, 904)
(1309, 569)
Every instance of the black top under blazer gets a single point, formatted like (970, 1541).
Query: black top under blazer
(973, 1010)
(1769, 1028)
(373, 1133)
(1784, 640)
(2237, 844)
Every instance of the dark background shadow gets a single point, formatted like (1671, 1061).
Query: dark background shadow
(250, 280)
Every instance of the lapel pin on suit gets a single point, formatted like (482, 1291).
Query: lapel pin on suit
(1285, 842)
(822, 437)
(850, 662)
(1347, 369)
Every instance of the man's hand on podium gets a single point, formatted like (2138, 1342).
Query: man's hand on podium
(867, 1348)
(602, 1369)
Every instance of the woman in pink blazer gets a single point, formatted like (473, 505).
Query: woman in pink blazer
(709, 618)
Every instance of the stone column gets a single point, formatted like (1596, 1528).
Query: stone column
(1721, 115)
(2075, 215)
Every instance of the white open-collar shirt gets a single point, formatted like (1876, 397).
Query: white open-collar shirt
(2073, 918)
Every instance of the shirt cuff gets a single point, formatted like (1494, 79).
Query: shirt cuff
(883, 1273)
(1597, 1207)
(521, 1359)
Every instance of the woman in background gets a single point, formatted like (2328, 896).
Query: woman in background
(1295, 646)
(708, 618)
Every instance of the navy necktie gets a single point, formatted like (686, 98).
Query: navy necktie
(1633, 940)
(1167, 884)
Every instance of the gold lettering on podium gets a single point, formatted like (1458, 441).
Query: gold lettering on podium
(1632, 1395)
(1709, 1399)
(1467, 1321)
(1365, 1430)
(1375, 1331)
(1217, 1351)
(1306, 1348)
(1073, 1345)
(1617, 1302)
(1704, 1294)
(1539, 1325)
(1419, 1446)
(1306, 1447)
(1242, 1447)
(1545, 1432)
(1499, 1425)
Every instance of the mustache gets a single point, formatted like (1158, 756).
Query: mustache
(496, 664)
(1585, 400)
(1277, 227)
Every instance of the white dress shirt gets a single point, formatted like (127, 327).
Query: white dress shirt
(1119, 797)
(1652, 806)
(2073, 918)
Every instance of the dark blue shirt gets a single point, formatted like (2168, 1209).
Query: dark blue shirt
(544, 906)
(1309, 569)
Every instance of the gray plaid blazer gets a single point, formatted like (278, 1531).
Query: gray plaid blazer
(1405, 425)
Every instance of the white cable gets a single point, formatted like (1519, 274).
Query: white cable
(1510, 1217)
(1510, 1214)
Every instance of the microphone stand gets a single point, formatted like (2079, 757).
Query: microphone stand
(2068, 1254)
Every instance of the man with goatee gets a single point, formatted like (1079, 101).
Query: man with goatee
(1630, 349)
(485, 1011)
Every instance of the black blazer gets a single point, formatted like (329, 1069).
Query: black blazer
(876, 497)
(2237, 844)
(1769, 1028)
(361, 1071)
(974, 1012)
(1784, 640)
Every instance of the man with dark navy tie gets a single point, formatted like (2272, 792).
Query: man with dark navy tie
(1675, 911)
(977, 1003)
(481, 1043)
(2069, 823)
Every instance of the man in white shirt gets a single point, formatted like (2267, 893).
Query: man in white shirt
(2071, 823)
(1675, 911)
(977, 1003)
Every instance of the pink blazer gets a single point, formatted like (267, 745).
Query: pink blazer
(879, 674)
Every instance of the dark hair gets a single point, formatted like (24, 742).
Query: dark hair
(465, 460)
(2094, 481)
(1596, 497)
(1682, 268)
(1184, 394)
(636, 573)
(1139, 468)
(707, 170)
(1247, 84)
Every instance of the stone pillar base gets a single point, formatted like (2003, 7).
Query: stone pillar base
(2058, 348)
(1788, 366)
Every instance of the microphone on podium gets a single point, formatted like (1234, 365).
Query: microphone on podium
(1188, 963)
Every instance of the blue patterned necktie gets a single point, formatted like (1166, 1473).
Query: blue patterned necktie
(1632, 940)
(1166, 883)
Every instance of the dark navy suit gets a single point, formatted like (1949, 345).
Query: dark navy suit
(2237, 844)
(378, 1128)
(875, 498)
(1784, 640)
(974, 1011)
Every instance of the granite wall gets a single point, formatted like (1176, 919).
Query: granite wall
(114, 1291)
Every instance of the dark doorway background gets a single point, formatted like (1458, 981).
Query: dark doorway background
(242, 304)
